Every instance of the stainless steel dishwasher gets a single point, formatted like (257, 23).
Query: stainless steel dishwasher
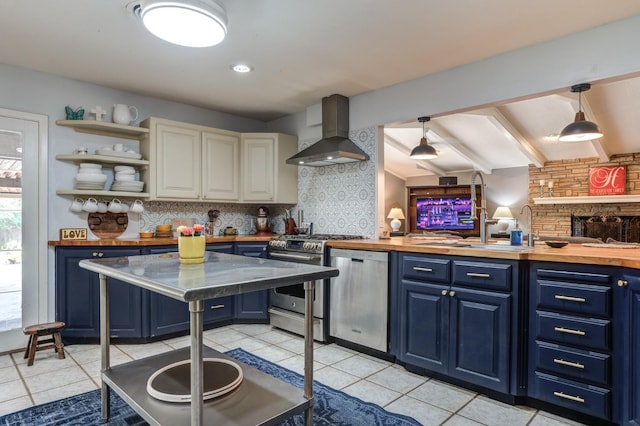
(359, 298)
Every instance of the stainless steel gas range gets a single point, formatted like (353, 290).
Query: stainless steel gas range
(287, 303)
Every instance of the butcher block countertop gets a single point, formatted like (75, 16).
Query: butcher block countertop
(572, 253)
(144, 242)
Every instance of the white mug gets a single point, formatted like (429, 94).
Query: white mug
(118, 147)
(125, 207)
(90, 206)
(102, 206)
(76, 205)
(122, 114)
(115, 206)
(137, 207)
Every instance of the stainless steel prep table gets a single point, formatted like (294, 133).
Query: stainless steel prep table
(219, 275)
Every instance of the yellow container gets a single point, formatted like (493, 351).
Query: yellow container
(191, 249)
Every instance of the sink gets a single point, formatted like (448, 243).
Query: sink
(438, 244)
(501, 247)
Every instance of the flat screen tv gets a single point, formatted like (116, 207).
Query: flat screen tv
(446, 213)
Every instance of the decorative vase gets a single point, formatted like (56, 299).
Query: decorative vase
(191, 249)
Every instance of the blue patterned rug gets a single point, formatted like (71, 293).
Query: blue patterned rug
(332, 407)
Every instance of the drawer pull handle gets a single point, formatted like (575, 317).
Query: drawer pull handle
(568, 363)
(623, 283)
(418, 268)
(444, 292)
(570, 298)
(217, 306)
(569, 331)
(569, 397)
(477, 275)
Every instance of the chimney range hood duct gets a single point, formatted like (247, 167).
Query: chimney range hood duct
(335, 146)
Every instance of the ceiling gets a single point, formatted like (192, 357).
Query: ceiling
(302, 51)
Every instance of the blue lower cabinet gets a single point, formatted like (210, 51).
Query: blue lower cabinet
(77, 295)
(255, 305)
(628, 316)
(451, 325)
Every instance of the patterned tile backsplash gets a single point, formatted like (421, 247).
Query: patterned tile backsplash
(337, 199)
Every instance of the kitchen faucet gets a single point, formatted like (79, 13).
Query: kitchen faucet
(530, 241)
(483, 206)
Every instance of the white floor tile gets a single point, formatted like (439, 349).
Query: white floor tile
(359, 366)
(45, 364)
(371, 392)
(457, 420)
(252, 329)
(275, 336)
(495, 413)
(64, 391)
(334, 378)
(424, 413)
(397, 380)
(249, 344)
(53, 378)
(273, 353)
(331, 354)
(443, 395)
(14, 405)
(11, 390)
(8, 374)
(144, 350)
(543, 418)
(7, 361)
(296, 363)
(225, 336)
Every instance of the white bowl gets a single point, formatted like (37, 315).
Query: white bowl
(86, 177)
(124, 177)
(127, 169)
(90, 166)
(89, 171)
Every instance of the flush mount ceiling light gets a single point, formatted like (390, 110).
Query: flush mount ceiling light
(424, 151)
(580, 129)
(191, 23)
(241, 68)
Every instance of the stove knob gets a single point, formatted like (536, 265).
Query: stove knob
(307, 246)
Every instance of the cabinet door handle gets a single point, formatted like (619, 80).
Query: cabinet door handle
(477, 275)
(570, 397)
(568, 363)
(444, 292)
(97, 254)
(622, 283)
(569, 331)
(452, 293)
(217, 307)
(570, 298)
(418, 268)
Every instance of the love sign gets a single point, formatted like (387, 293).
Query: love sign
(609, 180)
(73, 233)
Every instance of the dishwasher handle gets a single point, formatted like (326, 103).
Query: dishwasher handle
(357, 260)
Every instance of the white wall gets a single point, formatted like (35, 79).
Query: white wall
(606, 52)
(31, 91)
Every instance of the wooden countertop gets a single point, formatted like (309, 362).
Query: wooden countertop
(144, 242)
(572, 253)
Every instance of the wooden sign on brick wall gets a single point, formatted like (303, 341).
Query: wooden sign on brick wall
(609, 180)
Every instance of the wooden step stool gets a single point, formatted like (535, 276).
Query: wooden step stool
(39, 330)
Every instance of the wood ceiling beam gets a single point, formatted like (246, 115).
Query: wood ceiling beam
(517, 139)
(445, 138)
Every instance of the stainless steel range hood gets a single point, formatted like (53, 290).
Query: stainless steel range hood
(335, 146)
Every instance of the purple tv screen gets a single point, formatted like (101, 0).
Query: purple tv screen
(444, 214)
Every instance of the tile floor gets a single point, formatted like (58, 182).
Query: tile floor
(429, 401)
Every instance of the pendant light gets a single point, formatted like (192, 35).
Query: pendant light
(191, 23)
(423, 151)
(580, 129)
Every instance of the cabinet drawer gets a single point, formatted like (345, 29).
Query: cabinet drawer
(482, 275)
(585, 332)
(579, 298)
(573, 276)
(586, 399)
(426, 269)
(573, 363)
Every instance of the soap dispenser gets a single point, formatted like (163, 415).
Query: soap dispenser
(516, 235)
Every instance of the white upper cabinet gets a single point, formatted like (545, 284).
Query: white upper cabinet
(197, 163)
(266, 177)
(221, 161)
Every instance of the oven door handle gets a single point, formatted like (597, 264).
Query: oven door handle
(292, 256)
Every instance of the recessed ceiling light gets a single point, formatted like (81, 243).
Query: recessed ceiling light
(242, 68)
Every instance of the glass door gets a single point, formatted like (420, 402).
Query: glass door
(23, 273)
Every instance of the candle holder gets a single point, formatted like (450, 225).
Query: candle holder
(541, 190)
(550, 192)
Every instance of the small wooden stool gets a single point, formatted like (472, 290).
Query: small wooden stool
(47, 329)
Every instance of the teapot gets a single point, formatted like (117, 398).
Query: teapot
(124, 114)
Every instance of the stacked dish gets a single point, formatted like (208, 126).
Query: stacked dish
(125, 180)
(90, 177)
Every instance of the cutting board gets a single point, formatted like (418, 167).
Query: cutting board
(108, 225)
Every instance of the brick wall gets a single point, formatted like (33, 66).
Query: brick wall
(570, 178)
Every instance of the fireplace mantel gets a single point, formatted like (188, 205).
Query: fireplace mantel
(589, 199)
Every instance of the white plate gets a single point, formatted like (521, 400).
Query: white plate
(124, 169)
(91, 178)
(90, 166)
(122, 154)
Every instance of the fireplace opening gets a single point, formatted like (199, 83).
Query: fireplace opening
(619, 228)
